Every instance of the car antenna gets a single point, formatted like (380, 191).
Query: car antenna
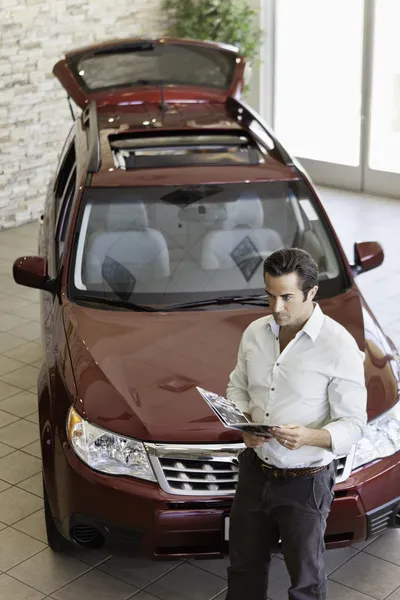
(163, 104)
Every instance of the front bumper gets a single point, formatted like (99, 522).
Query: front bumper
(133, 516)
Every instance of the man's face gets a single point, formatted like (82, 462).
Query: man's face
(286, 300)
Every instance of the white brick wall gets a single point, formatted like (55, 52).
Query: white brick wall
(34, 113)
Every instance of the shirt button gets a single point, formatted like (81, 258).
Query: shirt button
(278, 364)
(267, 414)
(272, 389)
(277, 339)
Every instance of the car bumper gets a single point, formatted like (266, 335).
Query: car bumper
(132, 516)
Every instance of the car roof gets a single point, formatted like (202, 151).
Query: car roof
(184, 118)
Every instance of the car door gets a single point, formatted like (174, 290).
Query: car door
(51, 245)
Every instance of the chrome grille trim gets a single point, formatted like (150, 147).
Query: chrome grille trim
(196, 469)
(208, 469)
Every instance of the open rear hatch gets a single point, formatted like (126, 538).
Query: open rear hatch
(125, 71)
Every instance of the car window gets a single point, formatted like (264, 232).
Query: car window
(164, 245)
(64, 213)
(64, 176)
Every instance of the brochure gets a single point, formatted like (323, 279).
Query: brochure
(230, 415)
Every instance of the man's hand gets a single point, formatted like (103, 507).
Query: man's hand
(294, 436)
(252, 440)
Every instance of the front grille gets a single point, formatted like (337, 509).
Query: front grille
(200, 476)
(198, 470)
(209, 469)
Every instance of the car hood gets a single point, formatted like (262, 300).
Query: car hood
(136, 372)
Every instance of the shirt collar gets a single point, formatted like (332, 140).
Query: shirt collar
(311, 328)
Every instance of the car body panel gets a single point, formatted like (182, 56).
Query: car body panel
(68, 73)
(134, 373)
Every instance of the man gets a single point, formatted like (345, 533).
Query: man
(302, 371)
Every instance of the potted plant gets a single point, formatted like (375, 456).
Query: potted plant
(228, 21)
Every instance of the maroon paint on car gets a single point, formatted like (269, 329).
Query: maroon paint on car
(134, 373)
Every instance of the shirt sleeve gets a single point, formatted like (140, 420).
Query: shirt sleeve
(347, 397)
(237, 390)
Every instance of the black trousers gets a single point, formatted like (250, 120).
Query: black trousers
(266, 509)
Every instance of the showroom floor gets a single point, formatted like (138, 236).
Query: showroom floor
(30, 571)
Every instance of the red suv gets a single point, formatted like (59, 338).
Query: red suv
(169, 194)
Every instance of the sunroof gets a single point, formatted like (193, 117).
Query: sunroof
(134, 152)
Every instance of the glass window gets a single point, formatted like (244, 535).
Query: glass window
(64, 175)
(65, 212)
(384, 148)
(161, 245)
(318, 73)
(155, 64)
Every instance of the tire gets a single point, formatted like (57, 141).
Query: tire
(56, 541)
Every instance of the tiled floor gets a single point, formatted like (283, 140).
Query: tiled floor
(30, 571)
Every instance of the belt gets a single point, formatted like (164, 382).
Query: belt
(277, 473)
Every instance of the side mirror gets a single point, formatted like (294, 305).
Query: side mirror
(367, 256)
(32, 271)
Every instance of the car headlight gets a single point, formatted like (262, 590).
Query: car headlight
(382, 438)
(108, 452)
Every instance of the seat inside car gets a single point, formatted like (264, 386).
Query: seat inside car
(238, 249)
(127, 253)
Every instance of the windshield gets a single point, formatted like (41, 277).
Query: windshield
(166, 245)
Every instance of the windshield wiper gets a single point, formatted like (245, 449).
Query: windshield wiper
(120, 304)
(260, 300)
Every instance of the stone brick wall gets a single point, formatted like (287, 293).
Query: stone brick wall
(34, 113)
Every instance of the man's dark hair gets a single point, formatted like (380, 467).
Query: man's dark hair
(293, 260)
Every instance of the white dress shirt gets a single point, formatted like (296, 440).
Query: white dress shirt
(317, 381)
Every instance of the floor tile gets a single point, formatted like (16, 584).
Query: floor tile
(96, 585)
(340, 592)
(19, 434)
(18, 466)
(48, 571)
(33, 449)
(386, 547)
(15, 504)
(26, 294)
(11, 589)
(7, 419)
(395, 595)
(365, 543)
(33, 485)
(15, 547)
(369, 575)
(31, 312)
(217, 567)
(27, 353)
(28, 332)
(136, 571)
(4, 450)
(90, 557)
(21, 405)
(7, 390)
(33, 418)
(34, 525)
(24, 378)
(220, 596)
(4, 486)
(187, 583)
(13, 304)
(146, 596)
(10, 321)
(9, 341)
(8, 364)
(335, 558)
